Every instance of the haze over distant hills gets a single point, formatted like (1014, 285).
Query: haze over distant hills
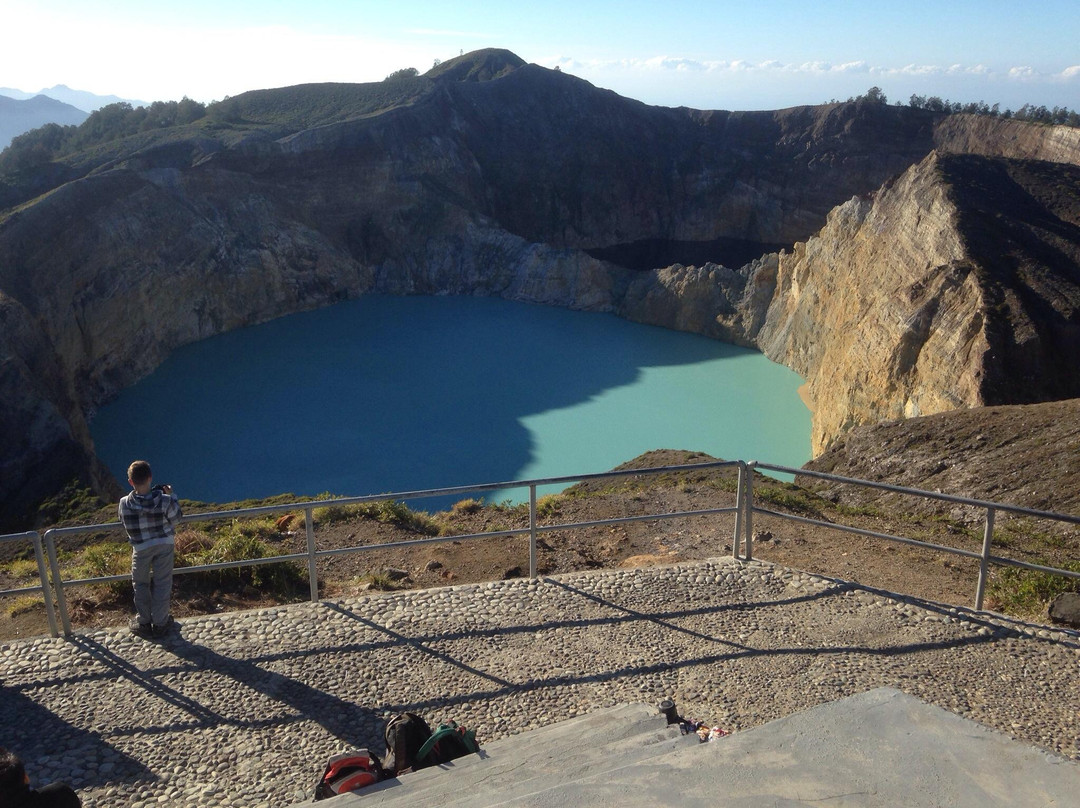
(80, 99)
(18, 116)
(21, 111)
(904, 261)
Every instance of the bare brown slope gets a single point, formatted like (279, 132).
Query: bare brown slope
(1026, 455)
(1020, 223)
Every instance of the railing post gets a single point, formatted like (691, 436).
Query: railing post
(748, 522)
(46, 588)
(313, 576)
(532, 531)
(988, 536)
(57, 582)
(740, 510)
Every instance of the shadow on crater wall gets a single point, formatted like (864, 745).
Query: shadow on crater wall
(653, 253)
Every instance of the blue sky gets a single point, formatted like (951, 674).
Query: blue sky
(710, 55)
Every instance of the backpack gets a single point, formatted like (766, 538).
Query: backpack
(349, 771)
(447, 742)
(410, 743)
(405, 733)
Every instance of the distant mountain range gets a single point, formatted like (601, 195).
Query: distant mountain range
(21, 111)
(80, 99)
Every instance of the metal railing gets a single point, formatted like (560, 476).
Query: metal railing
(53, 586)
(42, 585)
(984, 556)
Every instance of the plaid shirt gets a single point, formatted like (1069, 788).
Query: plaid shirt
(151, 518)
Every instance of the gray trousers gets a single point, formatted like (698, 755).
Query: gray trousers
(151, 574)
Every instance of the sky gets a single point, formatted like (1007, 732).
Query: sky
(754, 54)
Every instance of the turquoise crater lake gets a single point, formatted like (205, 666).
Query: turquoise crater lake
(391, 394)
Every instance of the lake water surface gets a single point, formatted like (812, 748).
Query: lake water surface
(390, 394)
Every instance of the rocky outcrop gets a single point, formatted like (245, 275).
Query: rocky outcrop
(1065, 609)
(1000, 137)
(489, 176)
(881, 312)
(931, 296)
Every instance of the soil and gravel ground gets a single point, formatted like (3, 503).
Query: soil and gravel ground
(895, 567)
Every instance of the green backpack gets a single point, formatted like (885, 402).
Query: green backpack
(447, 742)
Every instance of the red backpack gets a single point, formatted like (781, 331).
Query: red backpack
(349, 771)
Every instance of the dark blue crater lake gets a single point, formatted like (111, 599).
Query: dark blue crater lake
(392, 394)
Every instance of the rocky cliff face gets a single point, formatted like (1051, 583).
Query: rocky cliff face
(957, 285)
(489, 176)
(881, 311)
(1000, 137)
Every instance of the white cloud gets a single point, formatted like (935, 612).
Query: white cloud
(670, 63)
(773, 83)
(812, 68)
(1023, 73)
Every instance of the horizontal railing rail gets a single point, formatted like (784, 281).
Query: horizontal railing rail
(984, 556)
(52, 586)
(313, 553)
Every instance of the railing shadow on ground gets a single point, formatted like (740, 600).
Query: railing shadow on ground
(33, 729)
(53, 586)
(627, 616)
(335, 715)
(291, 700)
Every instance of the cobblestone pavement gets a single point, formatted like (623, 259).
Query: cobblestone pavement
(243, 709)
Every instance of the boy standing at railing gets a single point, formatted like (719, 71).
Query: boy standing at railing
(149, 515)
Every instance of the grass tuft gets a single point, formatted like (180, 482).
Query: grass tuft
(1027, 593)
(21, 568)
(382, 582)
(548, 507)
(467, 506)
(241, 543)
(24, 604)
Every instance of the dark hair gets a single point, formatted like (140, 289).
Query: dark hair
(12, 773)
(139, 472)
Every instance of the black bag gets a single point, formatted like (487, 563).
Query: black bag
(411, 745)
(405, 734)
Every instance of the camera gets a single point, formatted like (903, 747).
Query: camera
(161, 487)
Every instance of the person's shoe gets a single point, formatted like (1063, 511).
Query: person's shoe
(164, 628)
(144, 630)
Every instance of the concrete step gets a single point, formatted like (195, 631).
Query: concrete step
(876, 749)
(536, 760)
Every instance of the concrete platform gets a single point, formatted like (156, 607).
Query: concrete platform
(878, 748)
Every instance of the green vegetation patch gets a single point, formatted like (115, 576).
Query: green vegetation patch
(21, 567)
(102, 560)
(1027, 593)
(24, 604)
(384, 510)
(382, 582)
(75, 503)
(792, 498)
